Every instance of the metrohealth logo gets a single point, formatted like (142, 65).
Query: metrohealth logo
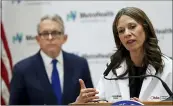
(71, 16)
(18, 37)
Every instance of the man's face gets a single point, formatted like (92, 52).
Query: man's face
(51, 38)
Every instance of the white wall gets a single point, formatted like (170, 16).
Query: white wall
(86, 36)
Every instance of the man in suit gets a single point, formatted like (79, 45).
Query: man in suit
(33, 81)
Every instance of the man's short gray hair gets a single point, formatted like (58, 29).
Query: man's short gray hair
(55, 18)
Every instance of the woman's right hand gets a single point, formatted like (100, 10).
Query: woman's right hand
(86, 94)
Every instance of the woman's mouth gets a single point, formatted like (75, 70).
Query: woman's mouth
(130, 41)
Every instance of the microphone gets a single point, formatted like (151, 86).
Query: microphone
(143, 76)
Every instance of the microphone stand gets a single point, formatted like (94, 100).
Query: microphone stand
(163, 83)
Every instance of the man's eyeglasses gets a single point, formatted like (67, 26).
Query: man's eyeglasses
(54, 34)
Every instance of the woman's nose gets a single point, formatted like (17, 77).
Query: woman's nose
(127, 33)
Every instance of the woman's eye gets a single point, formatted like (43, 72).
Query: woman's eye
(120, 31)
(132, 26)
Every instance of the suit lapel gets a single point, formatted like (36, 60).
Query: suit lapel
(68, 75)
(49, 97)
(147, 83)
(123, 84)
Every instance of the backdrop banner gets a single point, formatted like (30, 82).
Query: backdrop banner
(88, 25)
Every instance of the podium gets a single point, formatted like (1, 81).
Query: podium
(158, 103)
(163, 103)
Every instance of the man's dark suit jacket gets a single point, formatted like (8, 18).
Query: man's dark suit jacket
(30, 84)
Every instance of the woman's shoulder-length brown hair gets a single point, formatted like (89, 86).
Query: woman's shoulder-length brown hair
(152, 52)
